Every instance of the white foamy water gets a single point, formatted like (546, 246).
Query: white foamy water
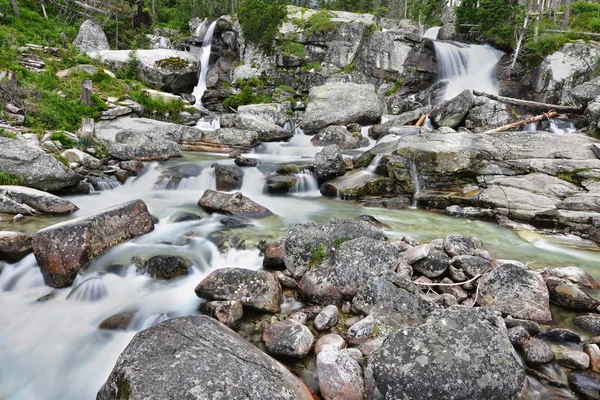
(204, 60)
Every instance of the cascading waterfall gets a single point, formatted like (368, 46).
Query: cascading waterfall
(416, 182)
(374, 164)
(208, 125)
(206, 180)
(204, 60)
(465, 66)
(306, 182)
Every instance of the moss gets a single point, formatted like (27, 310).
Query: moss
(349, 68)
(8, 179)
(312, 66)
(573, 176)
(397, 86)
(319, 23)
(123, 388)
(373, 28)
(60, 158)
(66, 141)
(285, 88)
(172, 63)
(340, 240)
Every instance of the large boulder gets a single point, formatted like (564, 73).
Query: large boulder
(198, 358)
(232, 204)
(256, 289)
(174, 132)
(34, 200)
(487, 114)
(339, 136)
(517, 292)
(63, 249)
(33, 167)
(458, 354)
(91, 38)
(143, 146)
(266, 119)
(451, 112)
(329, 163)
(171, 71)
(587, 92)
(228, 177)
(340, 103)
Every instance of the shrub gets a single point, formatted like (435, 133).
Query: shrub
(172, 63)
(260, 20)
(293, 49)
(319, 23)
(132, 68)
(66, 141)
(317, 254)
(7, 134)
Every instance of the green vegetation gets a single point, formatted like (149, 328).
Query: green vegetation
(8, 179)
(308, 67)
(317, 254)
(173, 63)
(61, 159)
(246, 96)
(319, 23)
(341, 239)
(574, 176)
(373, 28)
(349, 68)
(397, 86)
(286, 88)
(66, 141)
(293, 49)
(158, 104)
(260, 20)
(8, 135)
(132, 68)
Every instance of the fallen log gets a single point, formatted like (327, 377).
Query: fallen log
(421, 120)
(537, 118)
(532, 105)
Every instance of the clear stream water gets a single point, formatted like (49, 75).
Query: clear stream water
(54, 350)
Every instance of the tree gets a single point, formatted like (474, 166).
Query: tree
(567, 15)
(15, 8)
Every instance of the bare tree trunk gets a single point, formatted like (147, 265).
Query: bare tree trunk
(567, 15)
(532, 105)
(15, 8)
(519, 42)
(117, 32)
(86, 92)
(154, 9)
(43, 9)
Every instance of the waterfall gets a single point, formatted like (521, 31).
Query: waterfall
(204, 59)
(211, 125)
(416, 182)
(374, 164)
(305, 183)
(561, 127)
(206, 180)
(466, 66)
(432, 33)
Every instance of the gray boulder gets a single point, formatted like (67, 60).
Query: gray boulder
(566, 294)
(459, 245)
(143, 146)
(451, 112)
(339, 136)
(26, 200)
(198, 358)
(232, 204)
(587, 92)
(517, 292)
(90, 38)
(433, 265)
(288, 338)
(589, 322)
(63, 249)
(34, 167)
(171, 71)
(488, 115)
(329, 163)
(256, 289)
(235, 138)
(586, 384)
(327, 318)
(344, 273)
(577, 275)
(340, 376)
(340, 103)
(167, 267)
(460, 354)
(228, 177)
(266, 119)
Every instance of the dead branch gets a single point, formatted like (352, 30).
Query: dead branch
(531, 120)
(532, 105)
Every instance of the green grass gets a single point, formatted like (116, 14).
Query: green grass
(66, 141)
(8, 135)
(341, 239)
(7, 179)
(317, 254)
(293, 49)
(308, 67)
(397, 86)
(573, 176)
(319, 23)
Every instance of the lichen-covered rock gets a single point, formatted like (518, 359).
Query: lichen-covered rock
(329, 163)
(361, 331)
(167, 267)
(434, 265)
(458, 354)
(451, 112)
(143, 146)
(63, 249)
(14, 245)
(228, 177)
(537, 352)
(91, 38)
(256, 289)
(232, 204)
(288, 338)
(340, 376)
(566, 294)
(337, 135)
(459, 245)
(198, 358)
(574, 274)
(327, 318)
(517, 292)
(227, 312)
(588, 322)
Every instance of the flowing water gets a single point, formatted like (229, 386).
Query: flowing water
(199, 90)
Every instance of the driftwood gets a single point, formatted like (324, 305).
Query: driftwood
(295, 127)
(537, 118)
(421, 120)
(532, 105)
(593, 34)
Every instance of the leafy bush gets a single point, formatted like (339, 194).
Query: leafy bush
(319, 23)
(66, 141)
(132, 68)
(7, 134)
(173, 63)
(260, 20)
(246, 96)
(546, 44)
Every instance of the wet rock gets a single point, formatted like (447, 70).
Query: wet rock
(369, 347)
(340, 376)
(340, 103)
(434, 265)
(274, 254)
(172, 358)
(515, 291)
(586, 384)
(227, 312)
(134, 167)
(589, 322)
(143, 146)
(63, 249)
(14, 245)
(288, 338)
(353, 263)
(281, 183)
(167, 267)
(532, 327)
(561, 335)
(566, 294)
(537, 352)
(451, 112)
(305, 313)
(593, 351)
(574, 274)
(329, 163)
(327, 318)
(425, 359)
(393, 300)
(472, 265)
(266, 119)
(286, 281)
(245, 161)
(459, 245)
(34, 167)
(337, 135)
(331, 341)
(361, 331)
(90, 38)
(574, 359)
(186, 217)
(518, 335)
(232, 204)
(256, 289)
(118, 322)
(228, 177)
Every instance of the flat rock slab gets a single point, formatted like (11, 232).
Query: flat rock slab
(198, 358)
(143, 146)
(232, 204)
(461, 354)
(256, 289)
(63, 249)
(39, 201)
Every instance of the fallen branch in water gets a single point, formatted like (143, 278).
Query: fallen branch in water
(532, 105)
(531, 120)
(295, 127)
(421, 120)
